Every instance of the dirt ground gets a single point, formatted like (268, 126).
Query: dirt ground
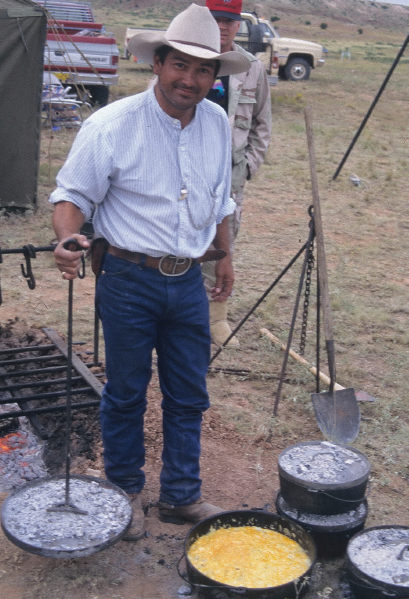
(239, 472)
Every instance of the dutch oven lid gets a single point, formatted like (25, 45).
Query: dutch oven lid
(325, 463)
(324, 523)
(382, 554)
(27, 521)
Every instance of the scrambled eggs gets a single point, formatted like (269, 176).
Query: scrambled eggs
(248, 556)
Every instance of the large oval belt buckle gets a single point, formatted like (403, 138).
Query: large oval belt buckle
(172, 266)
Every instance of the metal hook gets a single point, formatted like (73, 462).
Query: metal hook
(404, 553)
(29, 252)
(74, 246)
(311, 215)
(81, 273)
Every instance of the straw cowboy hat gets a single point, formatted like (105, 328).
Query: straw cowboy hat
(195, 32)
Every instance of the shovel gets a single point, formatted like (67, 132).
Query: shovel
(337, 411)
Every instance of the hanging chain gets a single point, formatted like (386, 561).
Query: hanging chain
(310, 266)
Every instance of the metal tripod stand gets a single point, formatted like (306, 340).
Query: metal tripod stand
(307, 250)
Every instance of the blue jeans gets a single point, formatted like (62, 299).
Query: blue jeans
(140, 310)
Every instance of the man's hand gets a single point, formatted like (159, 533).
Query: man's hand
(68, 261)
(224, 267)
(67, 220)
(224, 280)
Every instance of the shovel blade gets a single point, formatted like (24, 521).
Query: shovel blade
(338, 415)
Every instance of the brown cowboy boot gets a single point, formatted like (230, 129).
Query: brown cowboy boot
(194, 512)
(137, 529)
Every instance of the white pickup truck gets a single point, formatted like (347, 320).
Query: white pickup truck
(294, 58)
(78, 50)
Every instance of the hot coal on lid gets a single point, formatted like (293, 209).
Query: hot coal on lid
(323, 462)
(383, 554)
(25, 515)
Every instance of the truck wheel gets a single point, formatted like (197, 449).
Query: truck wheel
(297, 69)
(99, 94)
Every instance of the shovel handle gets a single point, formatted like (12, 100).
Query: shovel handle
(322, 264)
(323, 377)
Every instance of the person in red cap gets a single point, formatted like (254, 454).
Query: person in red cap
(230, 9)
(246, 99)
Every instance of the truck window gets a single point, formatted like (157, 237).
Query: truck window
(244, 28)
(266, 30)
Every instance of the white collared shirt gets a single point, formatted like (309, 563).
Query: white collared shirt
(157, 188)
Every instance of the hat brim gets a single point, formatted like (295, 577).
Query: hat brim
(143, 46)
(228, 15)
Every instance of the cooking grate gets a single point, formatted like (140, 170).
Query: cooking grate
(33, 381)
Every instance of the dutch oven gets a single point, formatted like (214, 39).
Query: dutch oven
(330, 533)
(319, 477)
(377, 563)
(35, 517)
(212, 589)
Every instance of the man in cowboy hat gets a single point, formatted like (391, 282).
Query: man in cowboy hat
(246, 99)
(156, 168)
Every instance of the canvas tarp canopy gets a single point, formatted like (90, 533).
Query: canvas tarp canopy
(23, 26)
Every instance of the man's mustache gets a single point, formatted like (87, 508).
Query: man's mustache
(190, 88)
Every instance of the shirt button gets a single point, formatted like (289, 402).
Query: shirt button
(183, 194)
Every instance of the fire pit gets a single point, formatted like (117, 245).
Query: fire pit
(20, 459)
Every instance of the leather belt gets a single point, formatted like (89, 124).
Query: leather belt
(171, 266)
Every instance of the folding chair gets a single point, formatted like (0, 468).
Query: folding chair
(61, 108)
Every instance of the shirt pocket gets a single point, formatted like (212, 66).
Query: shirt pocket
(247, 97)
(244, 112)
(203, 211)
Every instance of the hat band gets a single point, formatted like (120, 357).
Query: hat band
(185, 43)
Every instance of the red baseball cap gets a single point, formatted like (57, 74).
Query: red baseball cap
(225, 8)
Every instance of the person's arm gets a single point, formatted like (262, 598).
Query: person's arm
(82, 184)
(224, 267)
(260, 131)
(67, 222)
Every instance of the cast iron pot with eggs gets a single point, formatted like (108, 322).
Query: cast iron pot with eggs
(210, 588)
